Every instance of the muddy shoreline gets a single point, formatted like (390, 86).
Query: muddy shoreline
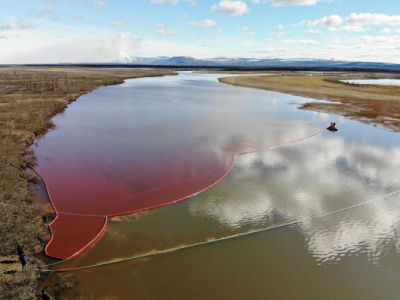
(29, 98)
(378, 105)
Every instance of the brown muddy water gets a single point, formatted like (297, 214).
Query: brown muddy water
(314, 215)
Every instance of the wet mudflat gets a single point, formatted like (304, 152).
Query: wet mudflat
(325, 206)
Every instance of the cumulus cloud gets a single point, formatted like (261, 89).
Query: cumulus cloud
(232, 8)
(355, 22)
(365, 19)
(206, 23)
(332, 20)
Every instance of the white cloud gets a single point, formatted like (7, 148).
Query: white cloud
(300, 42)
(232, 8)
(246, 30)
(369, 48)
(352, 28)
(381, 39)
(49, 14)
(99, 3)
(118, 22)
(121, 47)
(365, 19)
(355, 22)
(313, 30)
(16, 25)
(44, 49)
(173, 2)
(206, 23)
(162, 31)
(332, 20)
(293, 2)
(81, 3)
(165, 1)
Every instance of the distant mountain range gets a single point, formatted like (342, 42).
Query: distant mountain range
(242, 63)
(186, 61)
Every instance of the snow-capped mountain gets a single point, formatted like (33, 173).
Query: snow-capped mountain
(186, 61)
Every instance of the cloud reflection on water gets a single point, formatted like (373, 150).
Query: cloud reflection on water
(310, 179)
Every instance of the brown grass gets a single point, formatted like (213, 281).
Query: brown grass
(29, 97)
(370, 103)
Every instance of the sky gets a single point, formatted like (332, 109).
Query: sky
(72, 31)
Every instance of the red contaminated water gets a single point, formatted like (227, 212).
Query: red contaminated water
(124, 149)
(83, 209)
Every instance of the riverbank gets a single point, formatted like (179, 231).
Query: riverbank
(29, 97)
(379, 105)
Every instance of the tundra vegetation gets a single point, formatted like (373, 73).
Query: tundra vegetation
(29, 97)
(375, 104)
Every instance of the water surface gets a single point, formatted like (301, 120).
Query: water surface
(374, 81)
(338, 192)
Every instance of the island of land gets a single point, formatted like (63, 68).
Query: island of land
(29, 98)
(376, 104)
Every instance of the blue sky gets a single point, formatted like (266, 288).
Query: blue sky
(103, 30)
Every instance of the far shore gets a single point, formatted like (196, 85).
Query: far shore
(376, 104)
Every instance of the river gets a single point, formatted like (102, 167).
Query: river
(272, 205)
